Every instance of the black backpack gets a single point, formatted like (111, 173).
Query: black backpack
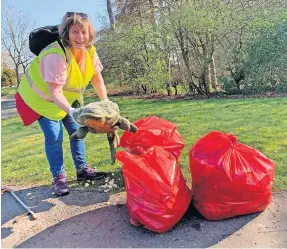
(42, 37)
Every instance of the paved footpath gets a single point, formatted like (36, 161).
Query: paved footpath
(87, 219)
(8, 107)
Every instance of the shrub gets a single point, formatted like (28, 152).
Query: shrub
(8, 77)
(229, 85)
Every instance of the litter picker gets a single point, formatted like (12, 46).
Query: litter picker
(34, 216)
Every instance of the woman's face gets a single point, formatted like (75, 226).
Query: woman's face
(79, 36)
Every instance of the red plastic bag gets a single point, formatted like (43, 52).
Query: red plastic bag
(229, 178)
(27, 114)
(157, 194)
(153, 131)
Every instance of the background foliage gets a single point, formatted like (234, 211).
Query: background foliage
(202, 46)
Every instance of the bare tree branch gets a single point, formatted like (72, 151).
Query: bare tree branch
(16, 27)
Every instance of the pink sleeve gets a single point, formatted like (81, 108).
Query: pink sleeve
(98, 67)
(53, 69)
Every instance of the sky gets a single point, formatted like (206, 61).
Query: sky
(51, 12)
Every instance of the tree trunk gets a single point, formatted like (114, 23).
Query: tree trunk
(168, 89)
(191, 88)
(152, 11)
(111, 15)
(213, 75)
(175, 90)
(169, 68)
(140, 14)
(144, 39)
(184, 51)
(144, 88)
(122, 78)
(205, 74)
(168, 86)
(17, 75)
(207, 78)
(113, 26)
(181, 73)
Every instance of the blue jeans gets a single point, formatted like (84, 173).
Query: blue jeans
(53, 132)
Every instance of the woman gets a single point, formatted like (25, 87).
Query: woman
(53, 87)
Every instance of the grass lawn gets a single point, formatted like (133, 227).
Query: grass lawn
(259, 123)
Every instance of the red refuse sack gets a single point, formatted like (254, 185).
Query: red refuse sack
(153, 131)
(27, 115)
(157, 194)
(229, 178)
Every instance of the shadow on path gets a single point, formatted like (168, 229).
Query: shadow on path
(37, 199)
(110, 227)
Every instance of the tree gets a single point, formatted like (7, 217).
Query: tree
(15, 33)
(248, 44)
(196, 25)
(266, 64)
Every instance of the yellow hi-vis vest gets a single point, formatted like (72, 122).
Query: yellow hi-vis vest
(34, 90)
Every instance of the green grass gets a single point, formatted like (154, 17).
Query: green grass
(259, 123)
(8, 91)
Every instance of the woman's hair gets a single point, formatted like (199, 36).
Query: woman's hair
(70, 20)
